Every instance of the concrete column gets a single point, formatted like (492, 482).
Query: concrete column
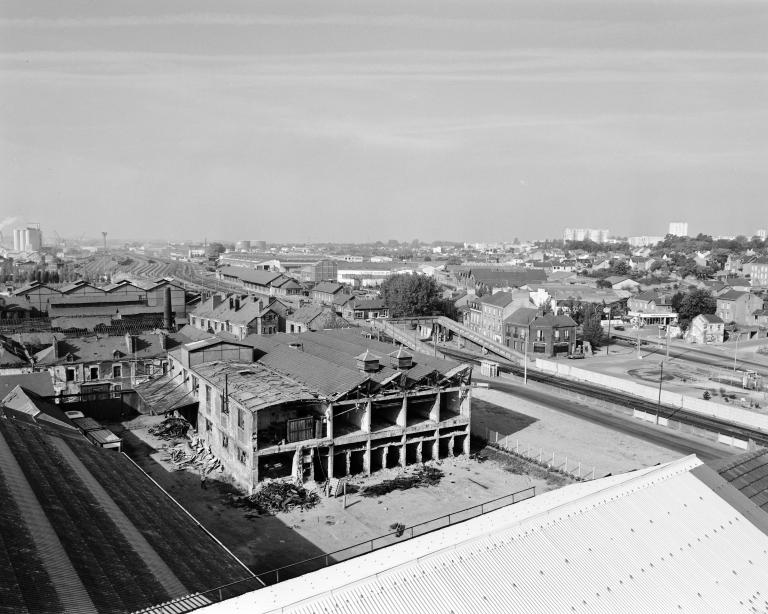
(330, 462)
(466, 441)
(384, 454)
(465, 409)
(367, 458)
(349, 461)
(418, 451)
(434, 413)
(365, 423)
(402, 420)
(450, 445)
(403, 459)
(436, 446)
(329, 418)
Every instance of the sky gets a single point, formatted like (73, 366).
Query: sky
(361, 121)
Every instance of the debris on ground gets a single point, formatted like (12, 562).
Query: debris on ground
(276, 496)
(170, 428)
(192, 454)
(398, 528)
(424, 476)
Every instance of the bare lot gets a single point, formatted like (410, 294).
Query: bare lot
(537, 427)
(267, 542)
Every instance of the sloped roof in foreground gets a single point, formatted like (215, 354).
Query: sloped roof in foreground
(658, 539)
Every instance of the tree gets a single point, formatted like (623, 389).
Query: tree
(410, 295)
(621, 268)
(694, 303)
(592, 329)
(604, 283)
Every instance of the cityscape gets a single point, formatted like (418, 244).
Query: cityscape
(383, 307)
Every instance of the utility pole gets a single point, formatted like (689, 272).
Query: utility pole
(525, 359)
(735, 353)
(661, 379)
(610, 317)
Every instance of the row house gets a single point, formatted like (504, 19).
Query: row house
(649, 308)
(738, 307)
(528, 330)
(326, 292)
(706, 328)
(104, 364)
(238, 315)
(312, 318)
(365, 309)
(757, 269)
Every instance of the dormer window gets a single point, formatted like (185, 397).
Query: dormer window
(70, 358)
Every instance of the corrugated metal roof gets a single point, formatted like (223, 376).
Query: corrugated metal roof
(327, 378)
(653, 540)
(254, 385)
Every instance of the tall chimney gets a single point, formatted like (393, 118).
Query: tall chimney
(130, 343)
(55, 346)
(167, 311)
(163, 341)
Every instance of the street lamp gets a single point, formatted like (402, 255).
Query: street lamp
(609, 311)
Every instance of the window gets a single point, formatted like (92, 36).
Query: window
(194, 320)
(117, 370)
(208, 426)
(165, 367)
(207, 397)
(195, 385)
(242, 456)
(240, 418)
(567, 334)
(94, 373)
(224, 441)
(539, 335)
(70, 374)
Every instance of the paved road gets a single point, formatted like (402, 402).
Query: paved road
(629, 426)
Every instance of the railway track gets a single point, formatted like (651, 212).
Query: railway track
(618, 398)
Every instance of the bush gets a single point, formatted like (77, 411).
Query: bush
(707, 396)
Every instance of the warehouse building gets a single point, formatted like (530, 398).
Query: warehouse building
(319, 405)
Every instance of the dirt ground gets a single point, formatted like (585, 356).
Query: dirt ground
(268, 542)
(536, 427)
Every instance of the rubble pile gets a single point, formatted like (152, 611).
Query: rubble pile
(277, 496)
(193, 454)
(170, 428)
(424, 476)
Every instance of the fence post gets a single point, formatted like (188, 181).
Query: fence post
(497, 438)
(593, 473)
(552, 464)
(566, 464)
(541, 451)
(220, 599)
(277, 575)
(579, 468)
(517, 446)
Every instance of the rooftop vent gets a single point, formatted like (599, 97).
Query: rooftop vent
(400, 359)
(367, 362)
